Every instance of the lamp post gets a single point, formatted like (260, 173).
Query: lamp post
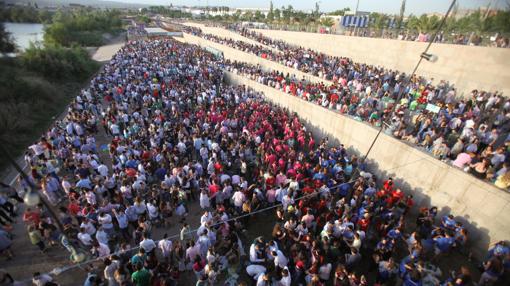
(32, 198)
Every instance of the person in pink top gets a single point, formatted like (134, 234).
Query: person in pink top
(463, 160)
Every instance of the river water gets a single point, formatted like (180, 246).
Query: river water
(24, 33)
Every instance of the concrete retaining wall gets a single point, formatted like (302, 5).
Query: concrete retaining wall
(483, 208)
(469, 67)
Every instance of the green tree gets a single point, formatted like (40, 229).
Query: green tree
(379, 20)
(287, 13)
(423, 24)
(6, 44)
(237, 15)
(248, 16)
(316, 12)
(270, 15)
(259, 16)
(327, 22)
(339, 12)
(277, 14)
(83, 27)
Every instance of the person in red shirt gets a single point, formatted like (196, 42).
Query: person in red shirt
(364, 222)
(396, 196)
(32, 217)
(73, 207)
(388, 184)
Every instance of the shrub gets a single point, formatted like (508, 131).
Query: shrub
(59, 63)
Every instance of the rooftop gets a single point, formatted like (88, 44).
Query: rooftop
(155, 30)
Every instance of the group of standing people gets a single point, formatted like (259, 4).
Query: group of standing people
(471, 133)
(176, 134)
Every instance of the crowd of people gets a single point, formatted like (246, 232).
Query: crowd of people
(176, 134)
(471, 132)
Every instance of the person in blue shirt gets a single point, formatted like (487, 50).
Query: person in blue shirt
(448, 222)
(395, 234)
(344, 189)
(139, 258)
(412, 278)
(443, 243)
(500, 249)
(319, 176)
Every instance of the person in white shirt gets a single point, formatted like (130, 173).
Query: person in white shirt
(254, 254)
(109, 271)
(254, 270)
(147, 244)
(204, 242)
(205, 218)
(84, 237)
(101, 249)
(239, 199)
(106, 222)
(114, 128)
(102, 236)
(66, 185)
(192, 251)
(153, 212)
(123, 222)
(279, 259)
(263, 280)
(165, 245)
(286, 279)
(41, 279)
(205, 202)
(325, 271)
(88, 226)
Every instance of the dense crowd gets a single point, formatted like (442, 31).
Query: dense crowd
(178, 135)
(471, 132)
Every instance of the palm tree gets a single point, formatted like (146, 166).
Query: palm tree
(423, 24)
(327, 22)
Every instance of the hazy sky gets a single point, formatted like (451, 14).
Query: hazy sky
(386, 6)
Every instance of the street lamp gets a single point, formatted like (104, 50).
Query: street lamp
(32, 198)
(429, 57)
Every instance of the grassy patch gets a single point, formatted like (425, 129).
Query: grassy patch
(29, 102)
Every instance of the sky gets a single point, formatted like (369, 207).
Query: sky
(384, 6)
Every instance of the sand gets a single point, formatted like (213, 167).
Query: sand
(106, 52)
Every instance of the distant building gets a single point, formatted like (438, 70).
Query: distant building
(255, 25)
(159, 32)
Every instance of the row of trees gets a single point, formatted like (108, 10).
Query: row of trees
(83, 27)
(24, 14)
(165, 11)
(479, 21)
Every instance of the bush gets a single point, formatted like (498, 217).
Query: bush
(29, 101)
(81, 27)
(59, 63)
